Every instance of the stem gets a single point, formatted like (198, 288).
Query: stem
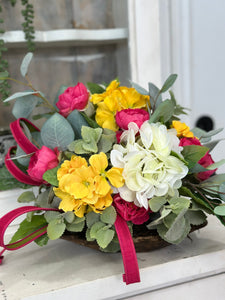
(203, 196)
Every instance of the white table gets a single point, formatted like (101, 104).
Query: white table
(63, 270)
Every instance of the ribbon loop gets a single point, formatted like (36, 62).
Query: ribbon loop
(130, 263)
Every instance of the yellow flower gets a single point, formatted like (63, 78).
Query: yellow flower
(84, 187)
(116, 99)
(182, 129)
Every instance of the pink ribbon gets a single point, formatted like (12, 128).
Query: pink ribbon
(7, 219)
(130, 262)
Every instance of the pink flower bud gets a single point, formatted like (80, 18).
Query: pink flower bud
(42, 160)
(73, 98)
(136, 115)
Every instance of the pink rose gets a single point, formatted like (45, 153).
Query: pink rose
(42, 160)
(205, 161)
(136, 115)
(129, 211)
(73, 98)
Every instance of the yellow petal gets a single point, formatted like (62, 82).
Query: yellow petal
(67, 203)
(102, 186)
(115, 177)
(99, 162)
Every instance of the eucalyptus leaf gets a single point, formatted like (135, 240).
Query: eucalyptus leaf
(212, 145)
(220, 210)
(216, 165)
(21, 94)
(55, 229)
(140, 89)
(57, 132)
(193, 153)
(22, 157)
(154, 93)
(90, 122)
(168, 83)
(25, 63)
(164, 111)
(164, 213)
(26, 197)
(24, 106)
(77, 120)
(212, 132)
(222, 191)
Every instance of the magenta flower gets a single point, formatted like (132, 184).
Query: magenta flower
(136, 115)
(73, 98)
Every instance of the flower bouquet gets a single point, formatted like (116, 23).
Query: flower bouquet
(111, 162)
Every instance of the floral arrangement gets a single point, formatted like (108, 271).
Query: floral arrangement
(106, 151)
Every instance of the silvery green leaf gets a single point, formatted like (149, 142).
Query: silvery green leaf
(108, 216)
(154, 92)
(112, 247)
(55, 229)
(193, 153)
(57, 132)
(222, 191)
(24, 106)
(197, 168)
(52, 215)
(155, 203)
(88, 236)
(198, 132)
(212, 145)
(104, 237)
(220, 210)
(22, 157)
(216, 165)
(76, 120)
(164, 111)
(78, 220)
(168, 83)
(25, 63)
(75, 227)
(178, 204)
(92, 218)
(69, 216)
(195, 217)
(95, 228)
(36, 138)
(26, 197)
(20, 94)
(165, 212)
(139, 89)
(212, 133)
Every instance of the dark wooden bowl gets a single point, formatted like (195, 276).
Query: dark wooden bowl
(144, 240)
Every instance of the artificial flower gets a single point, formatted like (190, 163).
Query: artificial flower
(136, 115)
(205, 161)
(41, 161)
(129, 211)
(149, 168)
(182, 129)
(73, 98)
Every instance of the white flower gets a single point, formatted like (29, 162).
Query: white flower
(149, 169)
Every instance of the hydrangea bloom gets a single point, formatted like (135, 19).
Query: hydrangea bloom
(150, 168)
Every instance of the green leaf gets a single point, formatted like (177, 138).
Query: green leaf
(92, 218)
(42, 240)
(51, 176)
(111, 248)
(89, 121)
(94, 229)
(24, 106)
(55, 229)
(75, 227)
(95, 88)
(154, 92)
(168, 83)
(20, 94)
(216, 165)
(104, 237)
(26, 197)
(164, 213)
(88, 236)
(108, 216)
(25, 63)
(220, 210)
(3, 76)
(30, 215)
(222, 191)
(26, 228)
(212, 144)
(155, 203)
(8, 182)
(52, 215)
(78, 220)
(164, 111)
(57, 132)
(77, 120)
(140, 89)
(195, 217)
(178, 204)
(193, 153)
(22, 157)
(211, 133)
(69, 216)
(106, 142)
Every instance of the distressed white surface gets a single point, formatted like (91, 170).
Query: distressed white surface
(69, 271)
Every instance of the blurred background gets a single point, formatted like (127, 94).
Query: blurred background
(142, 41)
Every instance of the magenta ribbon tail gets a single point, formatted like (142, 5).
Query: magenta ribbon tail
(130, 262)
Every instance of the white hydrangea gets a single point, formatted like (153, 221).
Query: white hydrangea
(149, 169)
